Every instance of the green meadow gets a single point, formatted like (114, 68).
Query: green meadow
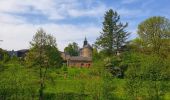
(22, 83)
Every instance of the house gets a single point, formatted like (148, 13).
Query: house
(22, 53)
(83, 60)
(19, 53)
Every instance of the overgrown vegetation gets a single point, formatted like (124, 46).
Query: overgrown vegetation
(139, 72)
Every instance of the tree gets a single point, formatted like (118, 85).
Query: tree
(72, 49)
(146, 76)
(4, 56)
(43, 54)
(95, 55)
(134, 75)
(114, 35)
(154, 31)
(138, 45)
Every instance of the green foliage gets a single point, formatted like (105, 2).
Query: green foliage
(54, 56)
(114, 35)
(4, 56)
(146, 76)
(138, 45)
(95, 55)
(72, 49)
(43, 54)
(154, 32)
(43, 51)
(17, 83)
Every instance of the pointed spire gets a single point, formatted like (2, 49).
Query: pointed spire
(85, 41)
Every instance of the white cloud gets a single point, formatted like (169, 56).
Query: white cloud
(53, 9)
(18, 36)
(17, 33)
(6, 18)
(90, 10)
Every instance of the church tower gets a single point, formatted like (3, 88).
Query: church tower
(86, 51)
(85, 42)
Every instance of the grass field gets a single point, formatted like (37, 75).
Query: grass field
(18, 83)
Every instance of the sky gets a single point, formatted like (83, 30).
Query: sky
(70, 20)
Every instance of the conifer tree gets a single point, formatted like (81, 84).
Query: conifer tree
(113, 35)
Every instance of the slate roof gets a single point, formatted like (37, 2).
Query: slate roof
(87, 46)
(79, 58)
(23, 50)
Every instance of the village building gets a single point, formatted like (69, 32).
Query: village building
(83, 60)
(19, 53)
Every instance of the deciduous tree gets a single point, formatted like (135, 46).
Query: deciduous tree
(72, 49)
(43, 54)
(155, 31)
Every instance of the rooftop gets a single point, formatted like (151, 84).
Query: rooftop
(79, 58)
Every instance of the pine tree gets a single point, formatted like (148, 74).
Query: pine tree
(113, 36)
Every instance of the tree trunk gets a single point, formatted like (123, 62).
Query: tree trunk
(41, 85)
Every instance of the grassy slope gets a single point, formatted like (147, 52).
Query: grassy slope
(82, 80)
(65, 84)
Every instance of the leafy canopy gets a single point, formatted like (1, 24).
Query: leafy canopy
(44, 50)
(155, 32)
(72, 49)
